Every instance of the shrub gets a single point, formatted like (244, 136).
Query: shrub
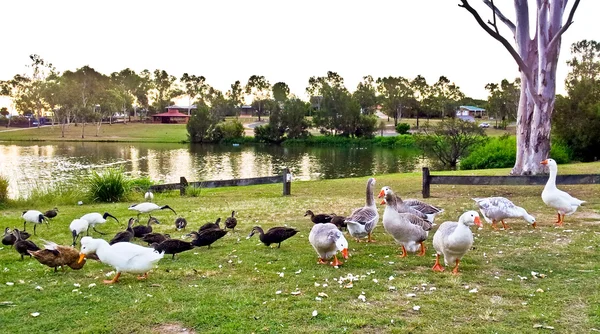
(268, 134)
(111, 185)
(3, 189)
(402, 128)
(501, 152)
(193, 191)
(229, 130)
(141, 184)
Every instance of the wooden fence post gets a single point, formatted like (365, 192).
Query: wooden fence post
(287, 182)
(426, 182)
(183, 183)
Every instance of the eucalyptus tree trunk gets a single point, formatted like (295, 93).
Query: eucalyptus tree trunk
(537, 58)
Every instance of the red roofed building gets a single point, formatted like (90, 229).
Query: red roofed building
(173, 115)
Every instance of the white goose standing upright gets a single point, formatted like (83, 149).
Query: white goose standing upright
(454, 239)
(564, 203)
(363, 220)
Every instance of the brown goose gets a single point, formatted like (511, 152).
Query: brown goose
(409, 230)
(124, 236)
(362, 221)
(23, 246)
(321, 218)
(9, 239)
(207, 237)
(275, 235)
(231, 222)
(141, 230)
(209, 226)
(151, 238)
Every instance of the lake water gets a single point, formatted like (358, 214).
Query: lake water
(33, 165)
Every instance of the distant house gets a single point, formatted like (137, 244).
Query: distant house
(472, 111)
(174, 115)
(246, 110)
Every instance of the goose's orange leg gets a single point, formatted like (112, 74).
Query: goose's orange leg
(558, 222)
(321, 261)
(561, 220)
(504, 225)
(144, 276)
(336, 262)
(114, 280)
(422, 252)
(455, 270)
(369, 238)
(437, 266)
(403, 251)
(494, 225)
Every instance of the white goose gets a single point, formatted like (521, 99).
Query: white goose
(148, 207)
(327, 240)
(94, 219)
(409, 230)
(363, 220)
(454, 239)
(496, 209)
(564, 203)
(123, 256)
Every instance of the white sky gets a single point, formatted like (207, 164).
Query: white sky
(290, 41)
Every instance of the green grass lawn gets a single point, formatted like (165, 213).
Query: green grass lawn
(129, 132)
(233, 287)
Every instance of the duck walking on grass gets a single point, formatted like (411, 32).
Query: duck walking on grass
(231, 222)
(23, 246)
(180, 223)
(123, 256)
(124, 236)
(141, 230)
(559, 200)
(55, 256)
(173, 246)
(207, 237)
(51, 213)
(9, 238)
(496, 209)
(454, 239)
(362, 221)
(275, 235)
(327, 240)
(321, 218)
(209, 226)
(151, 238)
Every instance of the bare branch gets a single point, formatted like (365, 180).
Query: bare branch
(501, 16)
(522, 66)
(564, 28)
(494, 16)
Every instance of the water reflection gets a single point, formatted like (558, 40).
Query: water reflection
(32, 165)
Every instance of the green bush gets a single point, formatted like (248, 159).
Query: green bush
(229, 130)
(193, 191)
(501, 152)
(3, 189)
(404, 141)
(402, 128)
(141, 184)
(111, 185)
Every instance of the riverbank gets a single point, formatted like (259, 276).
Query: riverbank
(511, 281)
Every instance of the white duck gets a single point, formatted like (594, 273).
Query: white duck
(496, 209)
(123, 256)
(454, 239)
(148, 207)
(362, 221)
(409, 230)
(77, 227)
(94, 219)
(564, 203)
(33, 216)
(416, 207)
(327, 240)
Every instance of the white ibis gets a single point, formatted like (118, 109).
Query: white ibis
(77, 227)
(95, 218)
(33, 216)
(149, 196)
(147, 207)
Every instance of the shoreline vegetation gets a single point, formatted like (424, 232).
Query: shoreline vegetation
(511, 281)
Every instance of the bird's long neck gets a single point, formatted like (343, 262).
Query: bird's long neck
(551, 184)
(260, 231)
(370, 201)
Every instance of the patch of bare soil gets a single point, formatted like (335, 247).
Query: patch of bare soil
(172, 328)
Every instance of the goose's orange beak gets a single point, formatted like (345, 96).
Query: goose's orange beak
(81, 258)
(534, 224)
(545, 162)
(477, 222)
(382, 202)
(345, 253)
(381, 194)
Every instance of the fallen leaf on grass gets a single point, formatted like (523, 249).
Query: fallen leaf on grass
(323, 294)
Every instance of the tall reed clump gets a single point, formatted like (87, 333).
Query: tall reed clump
(110, 185)
(3, 189)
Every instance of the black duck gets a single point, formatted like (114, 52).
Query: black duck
(151, 238)
(141, 230)
(23, 246)
(321, 218)
(209, 226)
(180, 223)
(9, 239)
(124, 236)
(231, 222)
(207, 237)
(275, 235)
(51, 213)
(172, 246)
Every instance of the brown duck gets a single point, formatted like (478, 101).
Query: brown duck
(55, 256)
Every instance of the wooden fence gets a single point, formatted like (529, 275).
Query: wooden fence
(285, 178)
(429, 179)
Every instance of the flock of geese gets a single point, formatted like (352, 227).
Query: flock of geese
(408, 221)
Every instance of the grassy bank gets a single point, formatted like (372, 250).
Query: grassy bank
(130, 132)
(233, 286)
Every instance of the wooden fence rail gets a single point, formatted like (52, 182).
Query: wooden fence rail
(285, 178)
(429, 179)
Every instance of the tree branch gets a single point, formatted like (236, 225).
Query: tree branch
(501, 16)
(562, 30)
(522, 66)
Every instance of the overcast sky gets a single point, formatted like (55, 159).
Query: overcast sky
(286, 41)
